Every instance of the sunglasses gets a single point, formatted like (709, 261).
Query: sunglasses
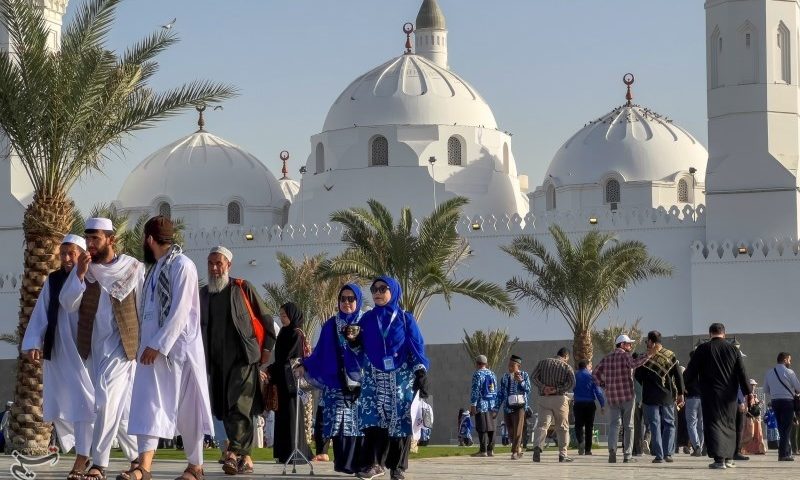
(379, 288)
(347, 299)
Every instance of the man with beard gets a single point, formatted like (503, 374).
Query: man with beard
(239, 335)
(68, 390)
(717, 368)
(104, 292)
(170, 392)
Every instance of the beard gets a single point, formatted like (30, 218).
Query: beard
(149, 256)
(217, 283)
(102, 255)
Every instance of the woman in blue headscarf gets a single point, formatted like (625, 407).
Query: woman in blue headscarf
(393, 357)
(333, 367)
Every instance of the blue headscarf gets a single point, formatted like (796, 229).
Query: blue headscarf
(332, 357)
(389, 331)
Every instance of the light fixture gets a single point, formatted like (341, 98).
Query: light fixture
(692, 170)
(253, 262)
(592, 221)
(742, 250)
(475, 226)
(303, 170)
(432, 160)
(249, 236)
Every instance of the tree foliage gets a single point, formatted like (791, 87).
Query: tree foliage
(495, 344)
(603, 340)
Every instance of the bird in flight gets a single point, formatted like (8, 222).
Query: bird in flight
(170, 24)
(218, 107)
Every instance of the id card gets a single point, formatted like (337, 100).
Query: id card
(388, 363)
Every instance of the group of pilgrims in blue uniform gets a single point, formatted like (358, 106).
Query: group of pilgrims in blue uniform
(369, 366)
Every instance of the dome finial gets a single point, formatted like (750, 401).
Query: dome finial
(408, 29)
(628, 79)
(200, 121)
(285, 158)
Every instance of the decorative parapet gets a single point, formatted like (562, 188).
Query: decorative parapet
(742, 251)
(10, 282)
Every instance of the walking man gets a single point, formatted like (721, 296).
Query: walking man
(717, 368)
(239, 335)
(170, 392)
(482, 406)
(554, 378)
(614, 374)
(694, 414)
(50, 336)
(586, 392)
(781, 384)
(662, 390)
(104, 291)
(513, 397)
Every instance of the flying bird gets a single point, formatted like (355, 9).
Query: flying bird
(170, 24)
(218, 107)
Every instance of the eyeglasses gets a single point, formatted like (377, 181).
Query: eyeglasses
(379, 288)
(347, 299)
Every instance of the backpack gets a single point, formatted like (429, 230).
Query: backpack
(489, 388)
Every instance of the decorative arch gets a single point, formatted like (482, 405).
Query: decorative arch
(455, 151)
(784, 54)
(234, 213)
(320, 157)
(715, 54)
(165, 209)
(378, 151)
(613, 191)
(550, 197)
(683, 191)
(748, 44)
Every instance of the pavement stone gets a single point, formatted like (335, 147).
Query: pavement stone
(457, 468)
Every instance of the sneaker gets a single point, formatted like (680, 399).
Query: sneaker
(537, 454)
(564, 459)
(741, 457)
(612, 456)
(786, 459)
(398, 474)
(668, 459)
(629, 460)
(717, 466)
(478, 454)
(490, 453)
(729, 463)
(658, 460)
(370, 473)
(697, 452)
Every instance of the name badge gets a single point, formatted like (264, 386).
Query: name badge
(388, 363)
(148, 316)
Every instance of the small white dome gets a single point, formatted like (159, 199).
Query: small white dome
(201, 169)
(409, 90)
(631, 140)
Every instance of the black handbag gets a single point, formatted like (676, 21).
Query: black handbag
(795, 396)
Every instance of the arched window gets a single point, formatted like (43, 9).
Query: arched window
(234, 213)
(715, 52)
(165, 210)
(683, 191)
(550, 197)
(612, 191)
(379, 151)
(454, 151)
(784, 54)
(320, 158)
(505, 158)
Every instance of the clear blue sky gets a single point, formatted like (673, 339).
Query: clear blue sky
(546, 67)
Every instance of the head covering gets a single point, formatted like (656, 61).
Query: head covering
(622, 339)
(9, 403)
(753, 381)
(99, 223)
(332, 357)
(222, 251)
(294, 314)
(516, 359)
(387, 332)
(160, 228)
(75, 240)
(482, 359)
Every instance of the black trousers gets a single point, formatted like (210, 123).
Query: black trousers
(784, 413)
(381, 449)
(739, 428)
(484, 424)
(584, 424)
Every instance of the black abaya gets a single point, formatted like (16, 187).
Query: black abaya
(717, 368)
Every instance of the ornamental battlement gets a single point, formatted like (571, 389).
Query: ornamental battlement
(729, 251)
(10, 282)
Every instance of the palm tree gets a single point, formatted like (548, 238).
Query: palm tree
(604, 339)
(65, 113)
(316, 297)
(424, 260)
(582, 279)
(495, 344)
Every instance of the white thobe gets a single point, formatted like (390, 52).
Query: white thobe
(171, 396)
(68, 390)
(111, 371)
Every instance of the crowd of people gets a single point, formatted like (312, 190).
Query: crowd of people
(707, 408)
(136, 353)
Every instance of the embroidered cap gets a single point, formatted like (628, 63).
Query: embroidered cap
(222, 251)
(482, 359)
(99, 223)
(75, 240)
(516, 359)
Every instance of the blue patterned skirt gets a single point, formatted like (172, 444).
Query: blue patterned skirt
(386, 400)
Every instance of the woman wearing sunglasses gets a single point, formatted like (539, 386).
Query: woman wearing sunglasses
(393, 356)
(334, 368)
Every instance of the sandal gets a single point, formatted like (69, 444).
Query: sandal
(130, 476)
(95, 476)
(231, 466)
(196, 474)
(75, 475)
(244, 467)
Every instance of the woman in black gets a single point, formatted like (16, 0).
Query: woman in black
(288, 346)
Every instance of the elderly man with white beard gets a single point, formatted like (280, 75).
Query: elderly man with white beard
(239, 335)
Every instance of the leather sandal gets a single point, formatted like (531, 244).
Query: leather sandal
(196, 474)
(101, 475)
(231, 466)
(129, 475)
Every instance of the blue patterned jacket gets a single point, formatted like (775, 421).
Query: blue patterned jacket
(509, 386)
(477, 399)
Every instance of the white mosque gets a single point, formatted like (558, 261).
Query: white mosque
(726, 217)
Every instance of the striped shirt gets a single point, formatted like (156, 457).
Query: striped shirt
(554, 372)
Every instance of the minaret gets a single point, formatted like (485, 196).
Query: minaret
(430, 35)
(753, 119)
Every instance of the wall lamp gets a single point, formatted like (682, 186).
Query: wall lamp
(592, 220)
(249, 236)
(475, 226)
(743, 251)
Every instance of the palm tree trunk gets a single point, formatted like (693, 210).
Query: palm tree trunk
(45, 221)
(582, 346)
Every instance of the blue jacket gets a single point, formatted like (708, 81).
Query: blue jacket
(509, 386)
(481, 402)
(586, 390)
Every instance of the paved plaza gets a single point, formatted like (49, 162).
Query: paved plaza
(452, 468)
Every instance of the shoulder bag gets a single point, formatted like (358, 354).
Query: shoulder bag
(795, 396)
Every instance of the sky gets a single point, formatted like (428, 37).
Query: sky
(546, 67)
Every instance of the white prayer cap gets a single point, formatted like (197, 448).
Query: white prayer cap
(222, 251)
(753, 381)
(622, 339)
(75, 240)
(99, 223)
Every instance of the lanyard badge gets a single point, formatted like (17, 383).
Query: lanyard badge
(388, 360)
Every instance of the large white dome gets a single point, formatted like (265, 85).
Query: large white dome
(631, 140)
(409, 90)
(200, 170)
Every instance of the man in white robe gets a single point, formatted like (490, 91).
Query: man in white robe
(170, 392)
(50, 336)
(105, 292)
